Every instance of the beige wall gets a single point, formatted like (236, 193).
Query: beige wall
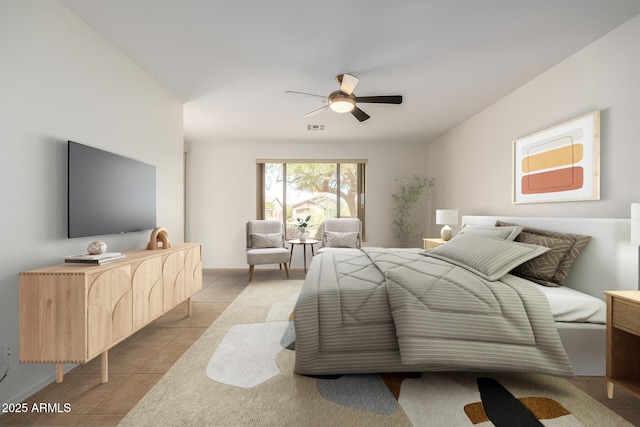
(60, 80)
(222, 190)
(472, 163)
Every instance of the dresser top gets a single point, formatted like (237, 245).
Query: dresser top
(131, 256)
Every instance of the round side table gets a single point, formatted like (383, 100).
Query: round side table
(304, 244)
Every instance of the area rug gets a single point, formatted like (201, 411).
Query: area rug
(186, 396)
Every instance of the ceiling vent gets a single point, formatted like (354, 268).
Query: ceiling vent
(315, 127)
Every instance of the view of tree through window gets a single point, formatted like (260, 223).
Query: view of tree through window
(322, 190)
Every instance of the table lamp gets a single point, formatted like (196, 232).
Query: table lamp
(447, 217)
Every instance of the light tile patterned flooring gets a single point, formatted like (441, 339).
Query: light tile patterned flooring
(136, 364)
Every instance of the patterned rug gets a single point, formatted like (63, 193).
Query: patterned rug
(249, 381)
(246, 358)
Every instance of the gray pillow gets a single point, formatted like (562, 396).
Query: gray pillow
(266, 240)
(507, 233)
(487, 257)
(335, 239)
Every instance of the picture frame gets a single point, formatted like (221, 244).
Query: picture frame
(559, 164)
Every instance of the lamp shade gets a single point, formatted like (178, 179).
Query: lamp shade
(635, 224)
(446, 216)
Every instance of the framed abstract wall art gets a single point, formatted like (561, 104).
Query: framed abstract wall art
(559, 164)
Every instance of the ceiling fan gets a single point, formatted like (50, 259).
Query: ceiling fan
(344, 100)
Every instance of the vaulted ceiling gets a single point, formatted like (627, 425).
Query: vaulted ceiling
(231, 61)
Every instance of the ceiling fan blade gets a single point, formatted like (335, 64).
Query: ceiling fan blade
(359, 114)
(316, 111)
(347, 82)
(386, 99)
(304, 93)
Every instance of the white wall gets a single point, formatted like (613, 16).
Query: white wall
(222, 190)
(62, 81)
(472, 163)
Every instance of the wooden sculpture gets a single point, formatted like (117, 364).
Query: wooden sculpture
(159, 239)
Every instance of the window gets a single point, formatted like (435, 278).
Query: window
(320, 188)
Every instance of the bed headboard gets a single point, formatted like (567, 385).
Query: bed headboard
(608, 262)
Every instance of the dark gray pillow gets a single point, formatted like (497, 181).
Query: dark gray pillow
(542, 269)
(576, 242)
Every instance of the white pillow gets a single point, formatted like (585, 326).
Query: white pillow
(487, 257)
(510, 232)
(337, 239)
(266, 240)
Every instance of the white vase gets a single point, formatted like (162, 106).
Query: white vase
(302, 236)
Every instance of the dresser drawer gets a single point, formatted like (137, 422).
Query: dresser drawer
(431, 243)
(626, 316)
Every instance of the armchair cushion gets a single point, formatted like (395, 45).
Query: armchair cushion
(336, 239)
(267, 256)
(266, 240)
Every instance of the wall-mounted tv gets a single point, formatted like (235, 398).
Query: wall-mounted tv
(108, 193)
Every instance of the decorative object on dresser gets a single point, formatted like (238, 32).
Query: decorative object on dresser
(446, 217)
(159, 239)
(432, 242)
(97, 248)
(623, 341)
(71, 314)
(88, 259)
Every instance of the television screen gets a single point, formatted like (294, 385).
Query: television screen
(108, 193)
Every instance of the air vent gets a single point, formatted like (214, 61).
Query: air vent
(315, 127)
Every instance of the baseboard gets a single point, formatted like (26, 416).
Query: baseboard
(24, 394)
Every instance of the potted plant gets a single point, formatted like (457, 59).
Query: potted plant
(405, 197)
(302, 225)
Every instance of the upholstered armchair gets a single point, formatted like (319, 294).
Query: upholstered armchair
(341, 233)
(265, 245)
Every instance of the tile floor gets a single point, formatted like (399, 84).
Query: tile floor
(136, 364)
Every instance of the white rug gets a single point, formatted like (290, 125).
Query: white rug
(246, 357)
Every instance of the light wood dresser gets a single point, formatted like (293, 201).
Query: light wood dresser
(623, 341)
(73, 313)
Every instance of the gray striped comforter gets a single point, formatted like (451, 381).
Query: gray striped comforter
(393, 310)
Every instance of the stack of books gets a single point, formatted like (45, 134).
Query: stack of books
(87, 259)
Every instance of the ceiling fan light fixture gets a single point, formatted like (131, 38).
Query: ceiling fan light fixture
(341, 102)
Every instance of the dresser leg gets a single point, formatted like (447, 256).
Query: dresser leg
(105, 367)
(59, 372)
(609, 389)
(189, 307)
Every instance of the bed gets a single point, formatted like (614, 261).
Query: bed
(362, 310)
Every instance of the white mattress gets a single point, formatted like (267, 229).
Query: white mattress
(569, 305)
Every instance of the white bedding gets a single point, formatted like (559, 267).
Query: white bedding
(569, 305)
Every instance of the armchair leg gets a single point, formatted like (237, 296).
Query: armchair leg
(251, 272)
(286, 269)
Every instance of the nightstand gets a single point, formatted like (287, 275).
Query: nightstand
(623, 341)
(432, 242)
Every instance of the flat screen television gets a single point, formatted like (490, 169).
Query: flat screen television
(108, 193)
